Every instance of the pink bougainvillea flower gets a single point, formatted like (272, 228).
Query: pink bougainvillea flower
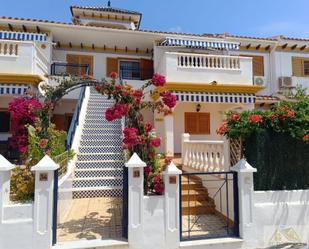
(130, 137)
(158, 80)
(169, 99)
(255, 118)
(118, 88)
(155, 142)
(235, 117)
(43, 143)
(137, 94)
(116, 112)
(147, 127)
(222, 129)
(289, 114)
(113, 75)
(147, 170)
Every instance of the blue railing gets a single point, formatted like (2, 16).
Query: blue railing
(75, 119)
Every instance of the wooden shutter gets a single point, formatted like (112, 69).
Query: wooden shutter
(297, 66)
(59, 121)
(146, 69)
(257, 64)
(86, 60)
(306, 67)
(191, 121)
(203, 123)
(111, 65)
(72, 59)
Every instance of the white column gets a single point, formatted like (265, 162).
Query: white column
(43, 202)
(136, 201)
(171, 182)
(185, 138)
(5, 177)
(169, 134)
(245, 192)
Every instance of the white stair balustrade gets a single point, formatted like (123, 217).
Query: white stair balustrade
(205, 155)
(205, 61)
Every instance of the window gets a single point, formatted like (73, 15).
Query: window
(257, 64)
(300, 67)
(4, 122)
(76, 61)
(197, 122)
(130, 70)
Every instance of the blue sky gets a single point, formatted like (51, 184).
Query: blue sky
(240, 17)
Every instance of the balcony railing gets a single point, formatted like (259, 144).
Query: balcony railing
(208, 61)
(8, 48)
(66, 69)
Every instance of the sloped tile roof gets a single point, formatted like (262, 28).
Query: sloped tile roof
(106, 8)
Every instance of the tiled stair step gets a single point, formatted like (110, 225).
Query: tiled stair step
(100, 156)
(115, 123)
(100, 101)
(99, 116)
(192, 186)
(99, 132)
(100, 142)
(84, 173)
(103, 164)
(100, 125)
(101, 136)
(101, 149)
(98, 105)
(113, 191)
(97, 182)
(102, 130)
(195, 195)
(197, 208)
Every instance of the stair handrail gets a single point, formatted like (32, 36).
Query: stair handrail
(75, 119)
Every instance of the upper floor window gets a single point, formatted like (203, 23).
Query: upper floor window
(257, 64)
(129, 70)
(4, 121)
(300, 67)
(135, 69)
(74, 62)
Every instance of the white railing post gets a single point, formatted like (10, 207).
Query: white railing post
(136, 200)
(171, 182)
(5, 177)
(43, 202)
(245, 193)
(169, 134)
(184, 148)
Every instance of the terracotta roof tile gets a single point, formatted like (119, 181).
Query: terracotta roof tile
(110, 9)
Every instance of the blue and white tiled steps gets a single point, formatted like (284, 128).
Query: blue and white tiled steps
(100, 162)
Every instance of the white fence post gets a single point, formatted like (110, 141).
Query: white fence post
(43, 202)
(245, 192)
(169, 134)
(5, 177)
(171, 182)
(136, 200)
(185, 138)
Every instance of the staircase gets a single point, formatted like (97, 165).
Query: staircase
(194, 197)
(100, 160)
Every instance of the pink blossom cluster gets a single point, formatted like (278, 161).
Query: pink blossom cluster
(116, 112)
(169, 99)
(158, 185)
(158, 80)
(131, 137)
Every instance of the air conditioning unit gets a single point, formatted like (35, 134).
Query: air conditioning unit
(286, 82)
(259, 81)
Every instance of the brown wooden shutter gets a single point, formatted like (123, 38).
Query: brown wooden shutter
(204, 123)
(111, 65)
(72, 59)
(306, 67)
(86, 60)
(191, 121)
(258, 65)
(297, 66)
(59, 121)
(146, 69)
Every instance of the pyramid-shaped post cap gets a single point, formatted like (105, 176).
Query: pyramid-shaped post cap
(135, 162)
(46, 164)
(171, 169)
(243, 166)
(5, 165)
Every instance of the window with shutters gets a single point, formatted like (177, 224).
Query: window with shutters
(197, 122)
(130, 69)
(77, 64)
(257, 64)
(300, 66)
(4, 121)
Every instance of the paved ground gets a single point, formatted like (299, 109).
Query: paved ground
(95, 218)
(209, 225)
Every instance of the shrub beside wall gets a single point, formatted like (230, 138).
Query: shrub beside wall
(282, 161)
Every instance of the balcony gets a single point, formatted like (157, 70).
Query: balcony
(205, 68)
(23, 57)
